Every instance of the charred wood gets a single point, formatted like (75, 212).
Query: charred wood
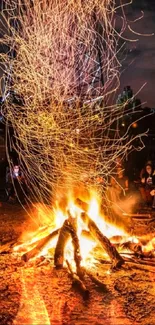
(115, 257)
(131, 260)
(40, 245)
(138, 215)
(140, 262)
(124, 223)
(76, 281)
(63, 238)
(75, 240)
(68, 229)
(76, 245)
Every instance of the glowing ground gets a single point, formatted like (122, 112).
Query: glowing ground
(35, 293)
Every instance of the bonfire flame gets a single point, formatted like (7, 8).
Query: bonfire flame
(72, 212)
(87, 243)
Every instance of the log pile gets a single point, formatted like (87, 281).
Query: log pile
(69, 231)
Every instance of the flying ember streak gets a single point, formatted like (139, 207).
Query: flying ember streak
(63, 63)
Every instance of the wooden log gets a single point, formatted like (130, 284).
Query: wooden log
(132, 259)
(145, 268)
(115, 257)
(68, 229)
(121, 222)
(137, 215)
(146, 256)
(140, 265)
(78, 282)
(40, 245)
(140, 262)
(75, 240)
(82, 205)
(63, 238)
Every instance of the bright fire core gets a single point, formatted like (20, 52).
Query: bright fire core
(86, 243)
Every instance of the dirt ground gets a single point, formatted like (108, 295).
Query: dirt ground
(33, 293)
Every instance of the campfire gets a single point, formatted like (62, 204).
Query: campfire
(81, 236)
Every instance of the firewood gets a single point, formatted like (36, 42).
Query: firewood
(140, 262)
(96, 280)
(124, 223)
(68, 229)
(40, 245)
(63, 238)
(78, 282)
(145, 268)
(138, 215)
(145, 256)
(75, 240)
(115, 257)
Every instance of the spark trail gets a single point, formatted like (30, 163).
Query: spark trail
(65, 68)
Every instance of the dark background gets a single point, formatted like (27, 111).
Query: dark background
(138, 67)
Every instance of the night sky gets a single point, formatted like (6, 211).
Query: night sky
(139, 65)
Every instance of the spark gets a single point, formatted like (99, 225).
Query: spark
(66, 71)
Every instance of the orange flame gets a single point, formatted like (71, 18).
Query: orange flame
(56, 217)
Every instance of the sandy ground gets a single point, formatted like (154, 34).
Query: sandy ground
(33, 293)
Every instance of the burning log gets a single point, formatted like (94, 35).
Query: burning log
(82, 205)
(115, 257)
(69, 228)
(61, 243)
(138, 215)
(78, 282)
(75, 241)
(140, 262)
(111, 219)
(137, 264)
(40, 245)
